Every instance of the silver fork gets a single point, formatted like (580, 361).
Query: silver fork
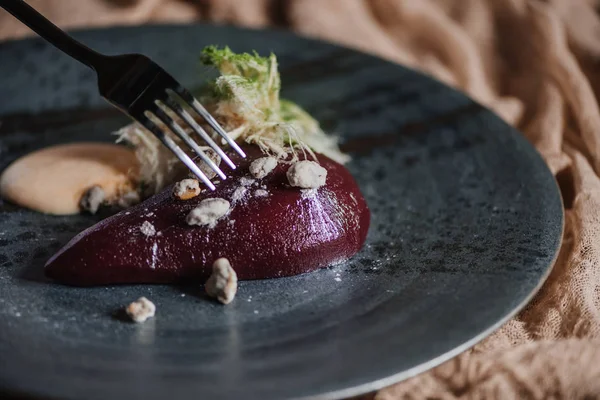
(140, 88)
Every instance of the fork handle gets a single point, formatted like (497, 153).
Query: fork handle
(53, 34)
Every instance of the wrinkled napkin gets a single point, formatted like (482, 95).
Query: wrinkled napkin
(535, 63)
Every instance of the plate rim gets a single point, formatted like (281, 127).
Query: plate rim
(413, 371)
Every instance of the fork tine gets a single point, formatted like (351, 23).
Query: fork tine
(174, 106)
(171, 145)
(178, 130)
(199, 108)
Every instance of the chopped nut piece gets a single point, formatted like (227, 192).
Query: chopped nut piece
(128, 199)
(261, 167)
(141, 309)
(261, 193)
(186, 189)
(92, 199)
(222, 284)
(204, 167)
(306, 174)
(148, 229)
(208, 212)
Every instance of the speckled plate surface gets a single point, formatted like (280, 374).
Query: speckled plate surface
(466, 223)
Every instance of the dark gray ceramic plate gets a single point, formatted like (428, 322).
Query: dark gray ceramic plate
(466, 222)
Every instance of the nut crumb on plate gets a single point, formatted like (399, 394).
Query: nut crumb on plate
(222, 284)
(92, 199)
(306, 174)
(261, 167)
(208, 212)
(261, 193)
(186, 189)
(141, 309)
(148, 229)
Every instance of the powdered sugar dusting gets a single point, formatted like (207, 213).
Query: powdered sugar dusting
(238, 194)
(308, 193)
(244, 181)
(154, 255)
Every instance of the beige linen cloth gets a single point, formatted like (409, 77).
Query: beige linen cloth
(536, 64)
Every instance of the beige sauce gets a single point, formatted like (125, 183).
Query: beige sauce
(52, 180)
